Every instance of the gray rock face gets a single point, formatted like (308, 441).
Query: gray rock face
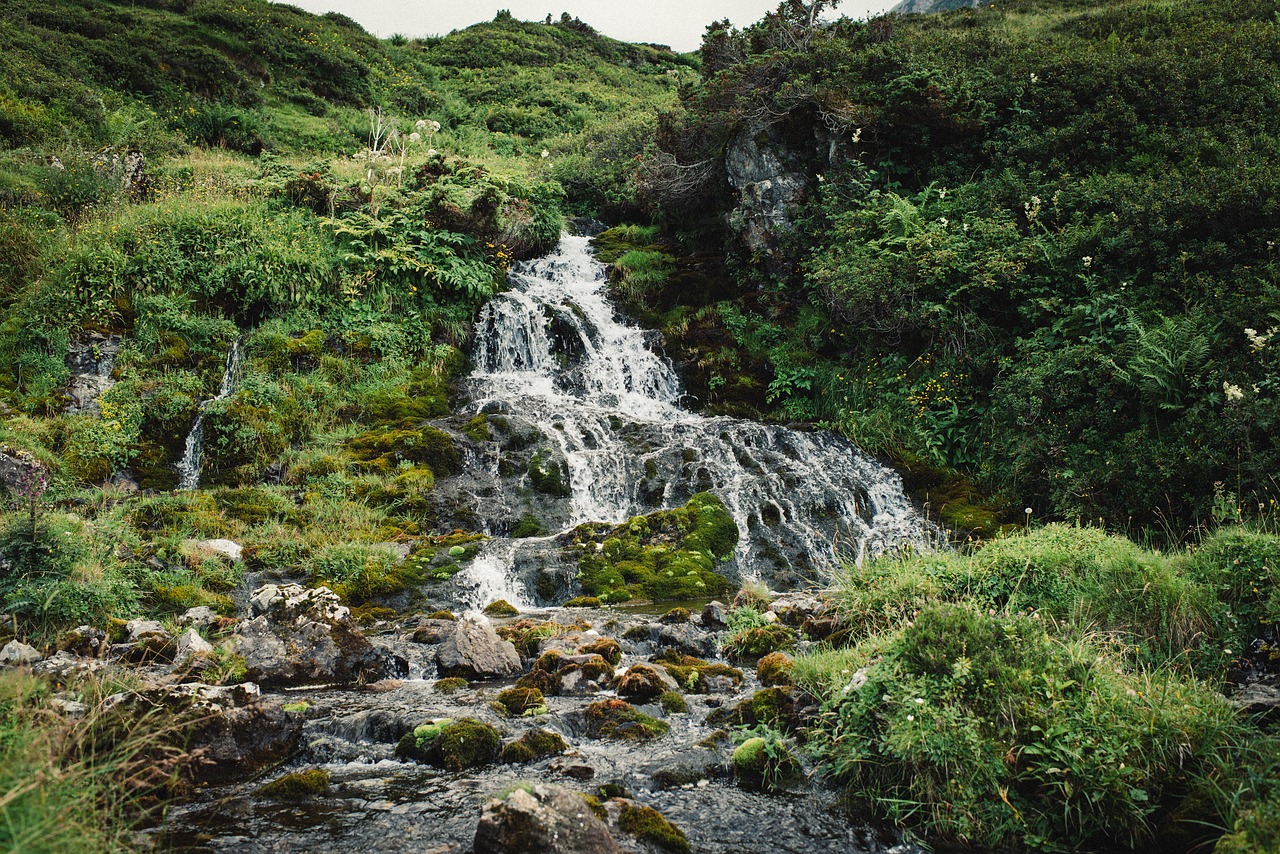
(91, 361)
(83, 640)
(547, 820)
(474, 651)
(146, 630)
(191, 644)
(18, 654)
(201, 617)
(302, 636)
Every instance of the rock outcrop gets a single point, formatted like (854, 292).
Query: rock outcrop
(474, 651)
(542, 820)
(299, 636)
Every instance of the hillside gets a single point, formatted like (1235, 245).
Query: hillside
(1032, 242)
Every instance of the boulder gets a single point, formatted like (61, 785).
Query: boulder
(83, 640)
(542, 820)
(190, 644)
(474, 651)
(643, 683)
(713, 615)
(229, 549)
(301, 636)
(234, 731)
(18, 654)
(201, 617)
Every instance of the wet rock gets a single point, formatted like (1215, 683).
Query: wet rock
(643, 683)
(581, 675)
(18, 654)
(302, 636)
(234, 731)
(1260, 698)
(90, 361)
(686, 638)
(713, 615)
(645, 824)
(431, 632)
(377, 726)
(542, 820)
(796, 608)
(474, 651)
(452, 745)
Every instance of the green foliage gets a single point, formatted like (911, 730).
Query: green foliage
(296, 786)
(1059, 747)
(765, 760)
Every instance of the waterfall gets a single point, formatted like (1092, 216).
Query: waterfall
(607, 403)
(192, 454)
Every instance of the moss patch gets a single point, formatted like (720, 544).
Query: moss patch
(519, 700)
(774, 669)
(620, 720)
(693, 673)
(450, 685)
(297, 786)
(452, 745)
(649, 825)
(533, 745)
(670, 554)
(759, 641)
(501, 608)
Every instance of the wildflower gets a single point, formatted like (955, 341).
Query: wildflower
(1035, 78)
(942, 221)
(415, 136)
(911, 717)
(545, 154)
(919, 701)
(1258, 340)
(1232, 391)
(1087, 260)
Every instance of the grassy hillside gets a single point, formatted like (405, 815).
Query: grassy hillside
(1044, 252)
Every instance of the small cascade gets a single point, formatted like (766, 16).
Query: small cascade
(488, 578)
(606, 405)
(192, 454)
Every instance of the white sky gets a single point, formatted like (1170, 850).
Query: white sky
(679, 23)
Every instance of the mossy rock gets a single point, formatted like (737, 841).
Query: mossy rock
(452, 745)
(549, 476)
(542, 680)
(760, 641)
(771, 707)
(298, 786)
(649, 825)
(674, 703)
(527, 525)
(442, 615)
(527, 635)
(641, 683)
(450, 685)
(383, 449)
(675, 617)
(693, 674)
(533, 745)
(501, 608)
(666, 555)
(775, 669)
(519, 700)
(607, 648)
(583, 602)
(617, 719)
(762, 763)
(595, 669)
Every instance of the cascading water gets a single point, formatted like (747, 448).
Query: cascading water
(192, 454)
(607, 405)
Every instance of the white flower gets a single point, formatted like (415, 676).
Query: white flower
(911, 717)
(420, 124)
(1087, 260)
(545, 154)
(1232, 391)
(1258, 340)
(919, 701)
(415, 137)
(431, 152)
(942, 221)
(1035, 78)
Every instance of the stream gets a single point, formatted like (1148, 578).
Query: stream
(597, 400)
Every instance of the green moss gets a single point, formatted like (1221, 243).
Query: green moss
(693, 673)
(527, 526)
(774, 669)
(385, 448)
(528, 635)
(501, 608)
(606, 648)
(617, 719)
(759, 641)
(669, 554)
(534, 744)
(477, 429)
(675, 616)
(299, 707)
(583, 602)
(763, 761)
(649, 825)
(520, 700)
(297, 786)
(450, 685)
(548, 476)
(442, 615)
(673, 702)
(452, 745)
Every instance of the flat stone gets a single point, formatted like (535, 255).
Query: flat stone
(474, 651)
(545, 820)
(191, 644)
(18, 654)
(227, 548)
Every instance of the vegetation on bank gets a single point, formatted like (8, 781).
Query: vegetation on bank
(1058, 690)
(1035, 242)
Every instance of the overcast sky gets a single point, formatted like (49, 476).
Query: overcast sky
(678, 23)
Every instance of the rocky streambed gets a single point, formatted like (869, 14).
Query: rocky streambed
(478, 732)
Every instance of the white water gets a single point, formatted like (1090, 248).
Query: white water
(192, 455)
(553, 350)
